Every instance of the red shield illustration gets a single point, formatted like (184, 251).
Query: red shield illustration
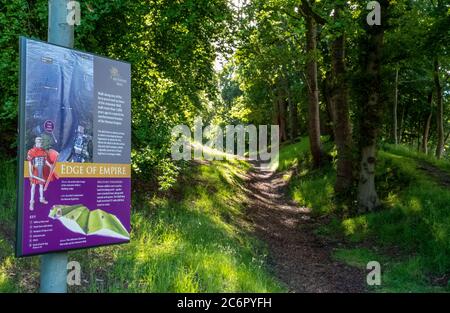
(52, 158)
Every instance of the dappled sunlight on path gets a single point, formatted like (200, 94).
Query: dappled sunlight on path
(300, 259)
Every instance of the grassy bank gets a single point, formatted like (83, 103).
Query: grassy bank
(409, 236)
(194, 240)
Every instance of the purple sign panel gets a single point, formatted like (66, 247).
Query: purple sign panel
(75, 137)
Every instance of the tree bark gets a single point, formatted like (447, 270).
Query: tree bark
(282, 119)
(402, 120)
(426, 130)
(367, 194)
(446, 138)
(313, 91)
(341, 123)
(372, 112)
(330, 117)
(293, 115)
(440, 111)
(292, 111)
(276, 111)
(279, 110)
(395, 130)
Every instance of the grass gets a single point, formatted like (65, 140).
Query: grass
(194, 241)
(410, 236)
(408, 152)
(396, 276)
(290, 155)
(312, 188)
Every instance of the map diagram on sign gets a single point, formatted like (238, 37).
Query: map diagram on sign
(80, 219)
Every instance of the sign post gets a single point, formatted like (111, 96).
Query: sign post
(53, 277)
(54, 272)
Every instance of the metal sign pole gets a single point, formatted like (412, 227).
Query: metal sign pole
(54, 265)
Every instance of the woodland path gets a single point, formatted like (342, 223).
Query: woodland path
(438, 175)
(299, 259)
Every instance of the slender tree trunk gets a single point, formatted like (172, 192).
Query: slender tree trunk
(395, 131)
(326, 91)
(293, 120)
(446, 138)
(276, 111)
(440, 111)
(418, 134)
(341, 123)
(426, 130)
(372, 112)
(292, 111)
(402, 119)
(279, 112)
(367, 194)
(313, 91)
(282, 117)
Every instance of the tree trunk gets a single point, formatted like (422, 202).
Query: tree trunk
(292, 114)
(426, 130)
(367, 194)
(327, 93)
(293, 120)
(402, 119)
(276, 113)
(440, 111)
(282, 118)
(313, 91)
(395, 130)
(371, 115)
(446, 138)
(341, 123)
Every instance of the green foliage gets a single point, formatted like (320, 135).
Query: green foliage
(170, 45)
(410, 152)
(268, 59)
(17, 17)
(290, 155)
(396, 276)
(358, 257)
(309, 187)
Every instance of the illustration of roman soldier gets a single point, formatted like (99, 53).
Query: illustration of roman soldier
(41, 168)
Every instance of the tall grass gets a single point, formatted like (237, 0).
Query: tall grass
(409, 152)
(7, 190)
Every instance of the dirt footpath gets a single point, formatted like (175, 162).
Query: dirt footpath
(299, 258)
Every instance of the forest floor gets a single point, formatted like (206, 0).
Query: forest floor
(300, 259)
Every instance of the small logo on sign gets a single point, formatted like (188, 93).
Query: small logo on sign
(49, 126)
(115, 76)
(114, 72)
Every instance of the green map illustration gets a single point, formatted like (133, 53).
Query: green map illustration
(80, 219)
